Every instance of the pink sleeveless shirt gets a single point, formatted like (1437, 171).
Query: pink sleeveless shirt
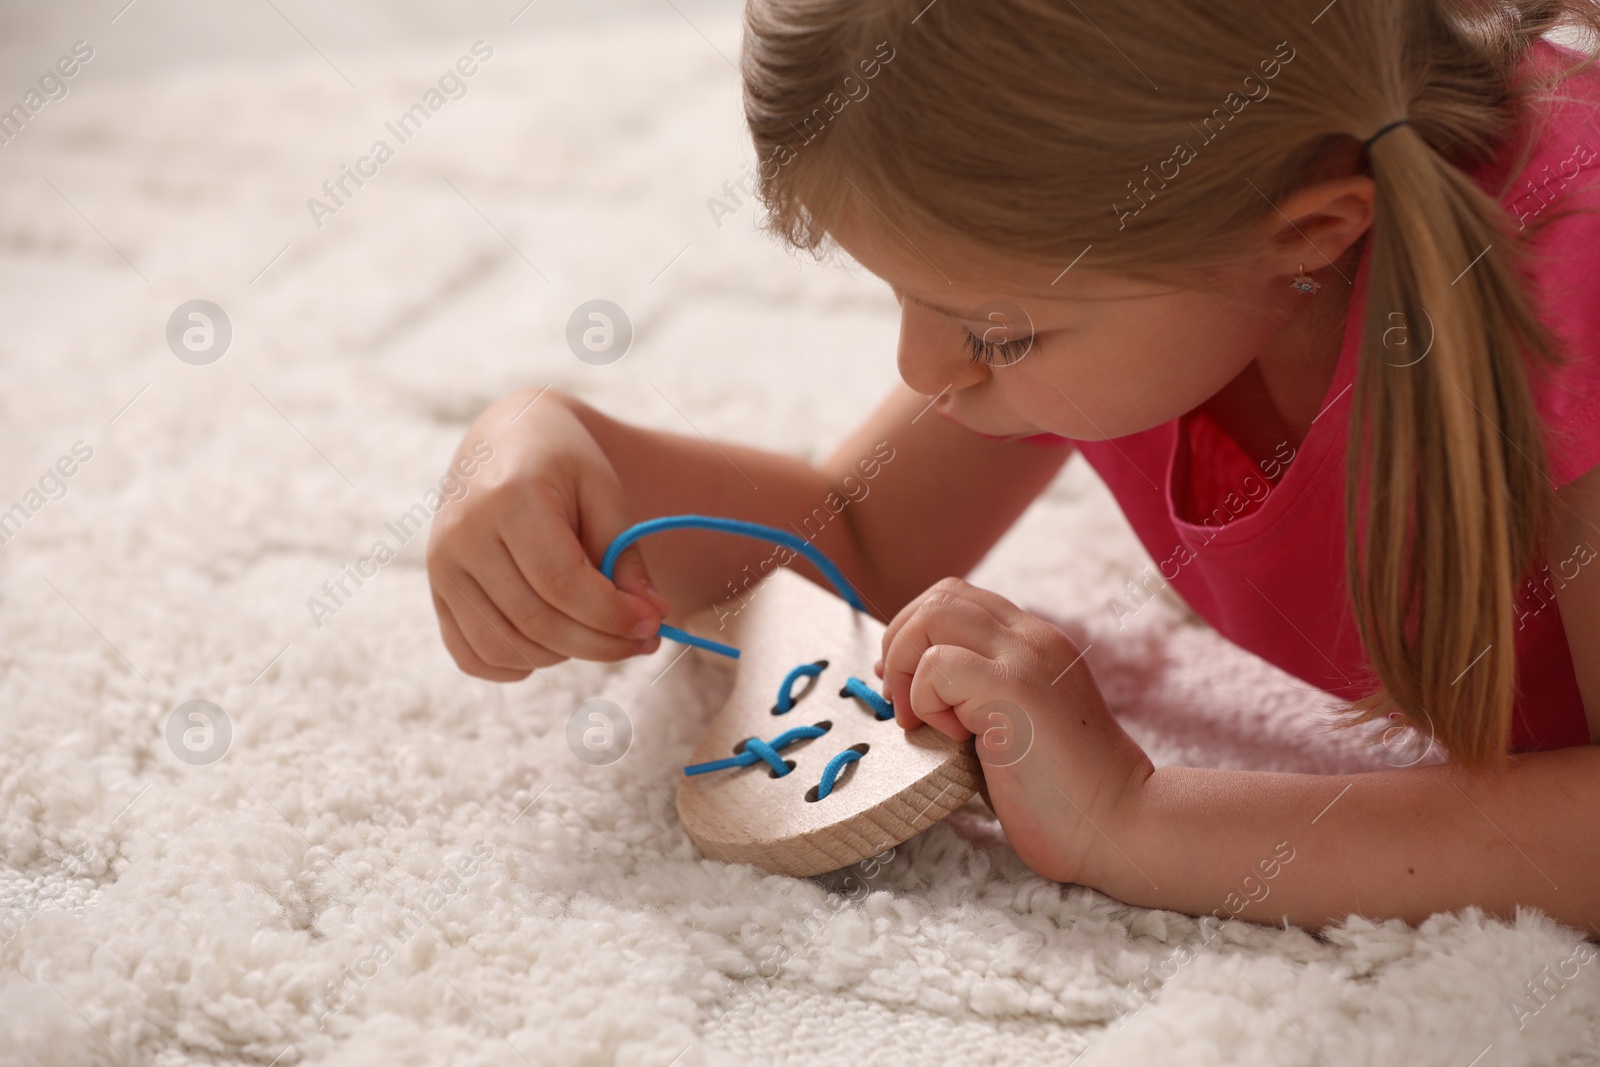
(1264, 563)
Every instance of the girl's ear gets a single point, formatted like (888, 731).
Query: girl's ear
(1315, 225)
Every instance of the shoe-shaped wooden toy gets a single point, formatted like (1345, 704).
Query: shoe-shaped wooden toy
(804, 770)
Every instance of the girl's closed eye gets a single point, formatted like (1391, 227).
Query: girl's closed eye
(996, 353)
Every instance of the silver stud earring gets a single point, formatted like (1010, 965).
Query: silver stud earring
(1304, 283)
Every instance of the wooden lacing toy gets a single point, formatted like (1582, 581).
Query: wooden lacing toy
(844, 785)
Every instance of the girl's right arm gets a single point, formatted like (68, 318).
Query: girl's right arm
(906, 500)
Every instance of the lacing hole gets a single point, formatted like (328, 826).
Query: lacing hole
(810, 684)
(862, 747)
(789, 763)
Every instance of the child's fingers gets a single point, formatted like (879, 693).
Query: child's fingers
(956, 690)
(488, 632)
(945, 590)
(901, 617)
(947, 681)
(602, 517)
(538, 621)
(630, 576)
(939, 621)
(455, 642)
(555, 564)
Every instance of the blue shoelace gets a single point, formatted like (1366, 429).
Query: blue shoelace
(733, 526)
(755, 749)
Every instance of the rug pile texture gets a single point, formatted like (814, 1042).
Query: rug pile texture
(393, 863)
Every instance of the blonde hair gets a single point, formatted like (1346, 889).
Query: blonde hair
(1033, 129)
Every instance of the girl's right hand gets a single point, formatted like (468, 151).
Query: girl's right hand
(514, 564)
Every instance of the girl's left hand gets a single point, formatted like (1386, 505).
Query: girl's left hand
(1061, 774)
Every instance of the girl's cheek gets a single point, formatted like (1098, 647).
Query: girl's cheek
(1038, 398)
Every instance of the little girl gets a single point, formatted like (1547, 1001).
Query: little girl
(1316, 291)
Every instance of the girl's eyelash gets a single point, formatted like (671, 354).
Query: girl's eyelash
(1001, 353)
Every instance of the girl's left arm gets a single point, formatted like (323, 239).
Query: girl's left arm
(1402, 843)
(1388, 844)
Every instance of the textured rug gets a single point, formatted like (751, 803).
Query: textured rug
(357, 855)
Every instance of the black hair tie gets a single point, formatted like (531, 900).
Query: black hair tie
(1367, 144)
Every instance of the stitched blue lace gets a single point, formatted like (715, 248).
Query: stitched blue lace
(830, 773)
(757, 749)
(786, 687)
(857, 688)
(743, 529)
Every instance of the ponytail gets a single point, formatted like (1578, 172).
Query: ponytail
(1446, 491)
(1446, 494)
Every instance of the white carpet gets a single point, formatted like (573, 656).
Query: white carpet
(160, 913)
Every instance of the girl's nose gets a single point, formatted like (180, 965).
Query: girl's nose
(932, 355)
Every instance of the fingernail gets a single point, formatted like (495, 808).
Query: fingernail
(644, 628)
(656, 595)
(877, 668)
